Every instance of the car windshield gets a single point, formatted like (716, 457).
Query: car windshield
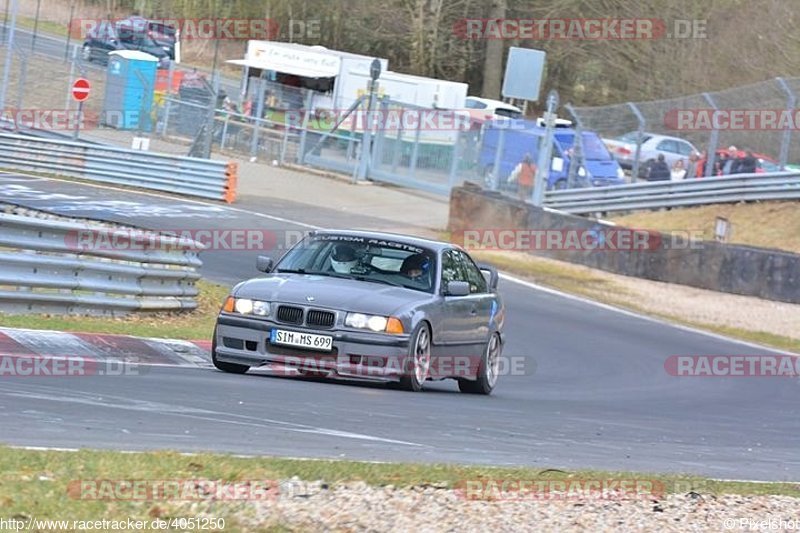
(593, 147)
(372, 260)
(768, 166)
(474, 104)
(510, 113)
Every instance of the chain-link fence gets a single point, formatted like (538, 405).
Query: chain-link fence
(760, 118)
(196, 113)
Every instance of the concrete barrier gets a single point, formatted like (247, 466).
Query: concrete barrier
(737, 269)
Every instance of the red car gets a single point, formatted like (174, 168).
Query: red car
(764, 162)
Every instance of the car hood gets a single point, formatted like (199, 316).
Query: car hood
(333, 293)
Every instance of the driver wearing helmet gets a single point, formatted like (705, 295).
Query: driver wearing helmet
(416, 266)
(343, 258)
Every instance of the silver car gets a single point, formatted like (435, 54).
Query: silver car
(623, 148)
(368, 306)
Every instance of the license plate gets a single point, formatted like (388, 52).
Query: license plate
(311, 341)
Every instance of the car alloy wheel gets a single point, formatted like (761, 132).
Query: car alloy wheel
(419, 358)
(488, 371)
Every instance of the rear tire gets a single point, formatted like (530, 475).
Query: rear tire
(418, 363)
(488, 371)
(230, 368)
(560, 185)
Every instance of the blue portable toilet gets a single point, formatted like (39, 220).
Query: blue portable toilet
(130, 82)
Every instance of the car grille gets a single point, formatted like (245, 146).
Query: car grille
(289, 314)
(323, 319)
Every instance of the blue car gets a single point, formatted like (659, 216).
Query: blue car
(522, 137)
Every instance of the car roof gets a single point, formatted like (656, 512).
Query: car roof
(397, 237)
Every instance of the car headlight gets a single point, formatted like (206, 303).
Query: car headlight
(375, 323)
(581, 172)
(620, 173)
(246, 306)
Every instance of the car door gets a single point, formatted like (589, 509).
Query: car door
(455, 319)
(669, 148)
(465, 318)
(480, 301)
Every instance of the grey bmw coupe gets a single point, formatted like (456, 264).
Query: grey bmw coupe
(367, 306)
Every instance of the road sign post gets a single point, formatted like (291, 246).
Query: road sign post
(81, 88)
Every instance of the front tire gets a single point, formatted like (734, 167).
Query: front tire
(488, 371)
(418, 363)
(230, 368)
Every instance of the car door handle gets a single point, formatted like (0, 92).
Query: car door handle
(473, 311)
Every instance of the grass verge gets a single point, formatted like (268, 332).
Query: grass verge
(198, 324)
(44, 484)
(765, 224)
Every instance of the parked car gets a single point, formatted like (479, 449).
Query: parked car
(524, 137)
(125, 34)
(483, 109)
(624, 150)
(368, 306)
(764, 163)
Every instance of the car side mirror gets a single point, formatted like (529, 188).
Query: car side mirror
(490, 275)
(264, 263)
(457, 288)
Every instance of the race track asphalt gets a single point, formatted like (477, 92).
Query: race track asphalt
(594, 392)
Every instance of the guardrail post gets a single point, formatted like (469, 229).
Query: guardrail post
(639, 138)
(786, 141)
(711, 153)
(231, 181)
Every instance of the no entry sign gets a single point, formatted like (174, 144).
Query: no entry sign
(80, 89)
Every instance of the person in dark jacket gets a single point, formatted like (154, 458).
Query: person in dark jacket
(659, 171)
(748, 164)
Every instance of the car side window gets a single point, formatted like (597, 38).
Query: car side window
(667, 146)
(685, 148)
(471, 273)
(451, 269)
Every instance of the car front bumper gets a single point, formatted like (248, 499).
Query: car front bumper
(354, 355)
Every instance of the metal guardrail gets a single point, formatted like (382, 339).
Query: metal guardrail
(189, 176)
(66, 267)
(701, 191)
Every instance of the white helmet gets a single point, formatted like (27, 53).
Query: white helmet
(343, 258)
